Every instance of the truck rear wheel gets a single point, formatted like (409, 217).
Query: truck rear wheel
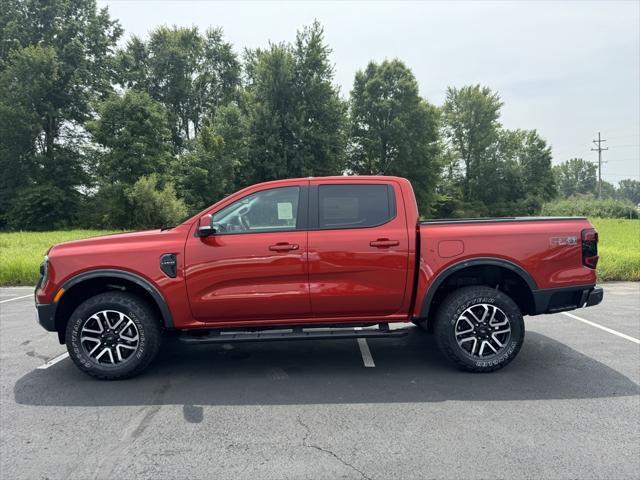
(113, 335)
(479, 328)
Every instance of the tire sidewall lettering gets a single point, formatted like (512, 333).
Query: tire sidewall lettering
(461, 301)
(79, 318)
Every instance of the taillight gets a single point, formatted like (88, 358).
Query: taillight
(590, 248)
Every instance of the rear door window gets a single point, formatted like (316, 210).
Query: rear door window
(355, 206)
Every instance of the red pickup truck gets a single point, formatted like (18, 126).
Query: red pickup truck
(315, 258)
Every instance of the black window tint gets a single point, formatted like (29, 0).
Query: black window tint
(355, 206)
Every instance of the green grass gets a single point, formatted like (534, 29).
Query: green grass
(22, 252)
(619, 249)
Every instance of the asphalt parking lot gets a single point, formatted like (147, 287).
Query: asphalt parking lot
(567, 407)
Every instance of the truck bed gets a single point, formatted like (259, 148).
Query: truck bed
(545, 252)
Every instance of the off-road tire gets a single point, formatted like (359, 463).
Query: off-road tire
(452, 308)
(146, 323)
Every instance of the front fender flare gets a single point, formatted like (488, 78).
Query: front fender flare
(167, 319)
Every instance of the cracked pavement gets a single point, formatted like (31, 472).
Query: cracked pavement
(567, 407)
(305, 443)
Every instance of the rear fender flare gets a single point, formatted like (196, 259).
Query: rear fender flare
(450, 270)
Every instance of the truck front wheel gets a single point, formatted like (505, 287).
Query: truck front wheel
(479, 328)
(113, 335)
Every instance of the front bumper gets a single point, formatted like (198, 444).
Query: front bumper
(47, 316)
(563, 299)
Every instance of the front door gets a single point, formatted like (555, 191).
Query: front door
(255, 265)
(358, 249)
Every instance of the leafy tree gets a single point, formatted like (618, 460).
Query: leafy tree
(608, 190)
(629, 189)
(517, 174)
(504, 172)
(55, 58)
(576, 176)
(321, 112)
(12, 31)
(42, 207)
(471, 126)
(71, 150)
(588, 205)
(134, 140)
(296, 118)
(25, 81)
(536, 172)
(271, 108)
(498, 184)
(83, 40)
(213, 168)
(133, 132)
(108, 208)
(393, 130)
(190, 73)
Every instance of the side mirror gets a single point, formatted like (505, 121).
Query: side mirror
(205, 227)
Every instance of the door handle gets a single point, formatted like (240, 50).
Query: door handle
(283, 247)
(384, 242)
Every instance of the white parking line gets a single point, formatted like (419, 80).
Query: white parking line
(365, 352)
(601, 327)
(16, 298)
(53, 361)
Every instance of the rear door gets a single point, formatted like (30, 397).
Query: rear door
(358, 248)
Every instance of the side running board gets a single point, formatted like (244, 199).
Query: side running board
(297, 333)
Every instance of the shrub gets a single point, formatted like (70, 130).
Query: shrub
(153, 207)
(42, 207)
(148, 203)
(591, 207)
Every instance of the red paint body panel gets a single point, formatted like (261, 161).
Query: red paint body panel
(238, 277)
(348, 276)
(526, 244)
(137, 252)
(334, 276)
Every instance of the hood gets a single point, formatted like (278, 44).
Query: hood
(119, 242)
(107, 239)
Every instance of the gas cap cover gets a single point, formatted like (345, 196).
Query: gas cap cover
(450, 248)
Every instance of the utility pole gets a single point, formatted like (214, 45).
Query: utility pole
(599, 150)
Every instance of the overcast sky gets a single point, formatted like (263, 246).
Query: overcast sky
(568, 70)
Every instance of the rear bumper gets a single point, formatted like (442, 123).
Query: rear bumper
(595, 297)
(47, 316)
(569, 298)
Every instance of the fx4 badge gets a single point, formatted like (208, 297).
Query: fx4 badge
(563, 241)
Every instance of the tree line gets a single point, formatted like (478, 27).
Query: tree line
(93, 134)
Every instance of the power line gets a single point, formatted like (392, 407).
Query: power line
(599, 150)
(626, 146)
(618, 137)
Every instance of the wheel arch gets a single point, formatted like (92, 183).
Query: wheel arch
(490, 271)
(90, 283)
